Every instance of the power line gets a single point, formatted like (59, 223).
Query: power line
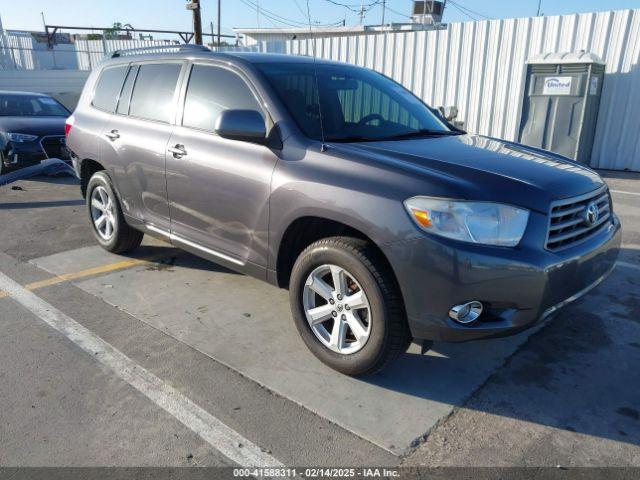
(355, 8)
(316, 22)
(463, 12)
(467, 11)
(397, 12)
(274, 17)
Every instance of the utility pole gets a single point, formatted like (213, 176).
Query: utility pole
(362, 12)
(194, 6)
(384, 6)
(539, 5)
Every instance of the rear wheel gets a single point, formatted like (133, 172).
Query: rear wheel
(109, 226)
(347, 306)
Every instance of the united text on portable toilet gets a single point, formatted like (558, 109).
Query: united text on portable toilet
(561, 101)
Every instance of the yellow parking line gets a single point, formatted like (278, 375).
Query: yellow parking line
(111, 267)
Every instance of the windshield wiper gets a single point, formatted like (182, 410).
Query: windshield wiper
(425, 132)
(351, 138)
(401, 136)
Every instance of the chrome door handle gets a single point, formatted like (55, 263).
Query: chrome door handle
(177, 150)
(112, 135)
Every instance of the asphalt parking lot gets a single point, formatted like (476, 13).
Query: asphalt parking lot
(164, 359)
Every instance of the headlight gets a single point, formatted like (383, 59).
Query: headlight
(22, 137)
(477, 222)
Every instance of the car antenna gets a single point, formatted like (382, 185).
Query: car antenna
(323, 147)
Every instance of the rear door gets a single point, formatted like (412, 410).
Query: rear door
(219, 189)
(137, 140)
(94, 121)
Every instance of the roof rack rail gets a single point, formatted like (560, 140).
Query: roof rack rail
(160, 49)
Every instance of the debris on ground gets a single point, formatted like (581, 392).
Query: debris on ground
(51, 166)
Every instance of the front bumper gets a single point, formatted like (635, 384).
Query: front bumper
(19, 155)
(518, 286)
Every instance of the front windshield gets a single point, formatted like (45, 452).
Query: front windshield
(356, 104)
(30, 106)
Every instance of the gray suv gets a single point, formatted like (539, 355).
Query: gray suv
(385, 223)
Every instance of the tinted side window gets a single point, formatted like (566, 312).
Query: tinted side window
(125, 96)
(153, 92)
(108, 88)
(212, 90)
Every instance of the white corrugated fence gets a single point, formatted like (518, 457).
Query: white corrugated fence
(480, 67)
(477, 66)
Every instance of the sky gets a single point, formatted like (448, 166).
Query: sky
(172, 14)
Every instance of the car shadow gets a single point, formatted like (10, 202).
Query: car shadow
(165, 255)
(618, 174)
(57, 179)
(43, 204)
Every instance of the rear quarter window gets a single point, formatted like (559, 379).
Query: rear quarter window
(108, 88)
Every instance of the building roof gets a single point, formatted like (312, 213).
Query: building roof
(335, 29)
(293, 31)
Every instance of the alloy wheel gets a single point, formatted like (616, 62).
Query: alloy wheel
(337, 309)
(103, 213)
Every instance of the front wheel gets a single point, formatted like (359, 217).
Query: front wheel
(109, 226)
(347, 306)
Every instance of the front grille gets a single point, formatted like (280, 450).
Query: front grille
(570, 222)
(54, 146)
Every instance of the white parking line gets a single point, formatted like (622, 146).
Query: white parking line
(217, 434)
(625, 193)
(628, 265)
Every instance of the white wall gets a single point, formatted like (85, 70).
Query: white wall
(480, 67)
(65, 85)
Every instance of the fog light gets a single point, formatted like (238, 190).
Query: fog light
(466, 313)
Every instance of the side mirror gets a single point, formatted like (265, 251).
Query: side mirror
(242, 125)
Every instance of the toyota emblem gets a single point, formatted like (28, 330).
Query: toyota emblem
(591, 214)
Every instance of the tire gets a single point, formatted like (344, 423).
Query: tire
(122, 237)
(383, 317)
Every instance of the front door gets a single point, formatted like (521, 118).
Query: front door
(218, 189)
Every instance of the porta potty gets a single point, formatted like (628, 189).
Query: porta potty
(561, 101)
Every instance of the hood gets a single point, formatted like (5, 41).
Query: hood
(33, 125)
(482, 168)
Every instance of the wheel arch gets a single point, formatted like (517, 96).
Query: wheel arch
(305, 230)
(88, 167)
